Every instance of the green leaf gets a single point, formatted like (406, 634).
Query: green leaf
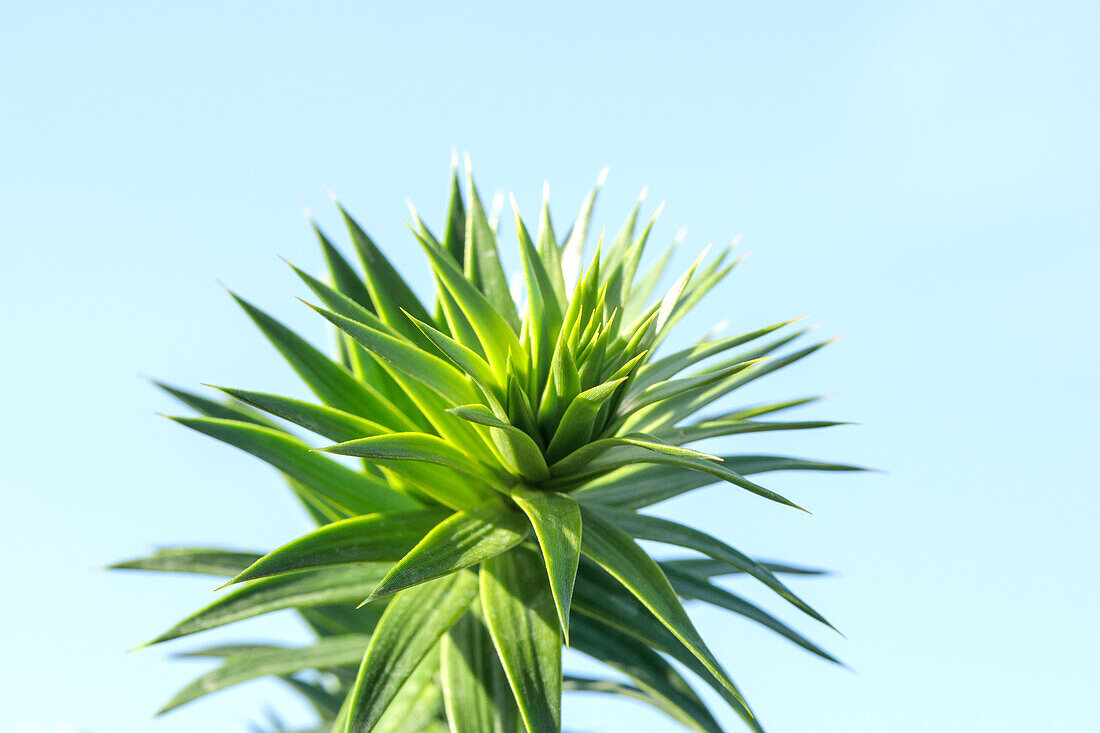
(613, 260)
(664, 686)
(572, 683)
(464, 358)
(519, 610)
(344, 584)
(520, 450)
(556, 519)
(637, 486)
(600, 596)
(200, 560)
(643, 288)
(345, 279)
(388, 290)
(585, 454)
(323, 702)
(323, 420)
(548, 248)
(417, 363)
(354, 493)
(750, 464)
(675, 392)
(614, 551)
(689, 586)
(718, 428)
(475, 687)
(482, 252)
(407, 631)
(669, 366)
(708, 567)
(578, 423)
(706, 397)
(416, 705)
(459, 541)
(390, 405)
(573, 249)
(656, 529)
(332, 384)
(212, 408)
(418, 447)
(625, 456)
(248, 665)
(621, 282)
(544, 310)
(454, 237)
(498, 339)
(221, 651)
(368, 538)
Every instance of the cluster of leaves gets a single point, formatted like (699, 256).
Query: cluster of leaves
(506, 455)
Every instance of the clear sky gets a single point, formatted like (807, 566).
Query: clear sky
(925, 176)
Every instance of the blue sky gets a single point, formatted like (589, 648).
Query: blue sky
(924, 176)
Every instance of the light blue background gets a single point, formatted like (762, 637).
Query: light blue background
(922, 175)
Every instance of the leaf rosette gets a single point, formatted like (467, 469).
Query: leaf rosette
(508, 451)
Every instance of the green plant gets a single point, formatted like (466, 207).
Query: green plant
(494, 515)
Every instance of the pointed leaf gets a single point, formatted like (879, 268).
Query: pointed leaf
(388, 290)
(461, 540)
(525, 453)
(475, 687)
(690, 586)
(352, 492)
(321, 419)
(557, 522)
(331, 382)
(578, 423)
(666, 689)
(584, 455)
(482, 252)
(343, 584)
(621, 557)
(414, 361)
(248, 665)
(519, 610)
(407, 631)
(663, 530)
(368, 538)
(200, 560)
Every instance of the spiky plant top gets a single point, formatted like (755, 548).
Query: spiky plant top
(506, 455)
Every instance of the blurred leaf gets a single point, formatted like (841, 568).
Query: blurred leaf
(248, 665)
